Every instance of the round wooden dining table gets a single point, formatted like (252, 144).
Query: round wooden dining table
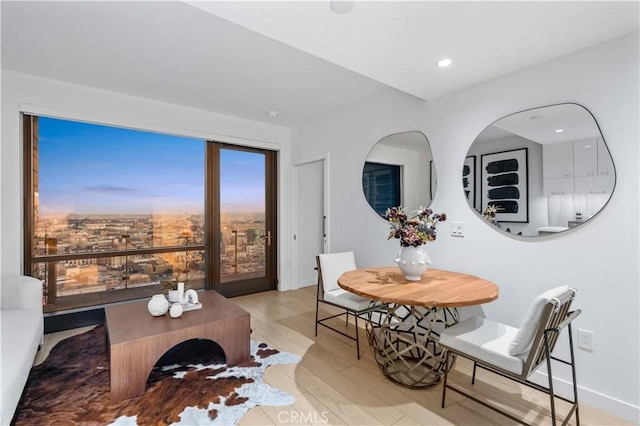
(404, 332)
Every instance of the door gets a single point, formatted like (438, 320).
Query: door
(244, 231)
(312, 221)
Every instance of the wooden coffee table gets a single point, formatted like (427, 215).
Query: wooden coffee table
(137, 340)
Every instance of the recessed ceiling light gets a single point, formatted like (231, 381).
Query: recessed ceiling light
(272, 114)
(559, 130)
(341, 7)
(442, 63)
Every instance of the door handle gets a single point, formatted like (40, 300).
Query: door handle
(266, 237)
(324, 226)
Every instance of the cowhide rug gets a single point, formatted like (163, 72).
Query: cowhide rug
(190, 385)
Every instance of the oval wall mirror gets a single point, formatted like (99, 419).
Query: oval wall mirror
(399, 171)
(539, 172)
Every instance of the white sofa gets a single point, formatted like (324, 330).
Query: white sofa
(22, 331)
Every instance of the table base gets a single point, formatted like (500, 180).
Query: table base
(404, 341)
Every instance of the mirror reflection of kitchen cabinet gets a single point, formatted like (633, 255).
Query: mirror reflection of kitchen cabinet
(605, 162)
(581, 167)
(585, 158)
(557, 160)
(593, 168)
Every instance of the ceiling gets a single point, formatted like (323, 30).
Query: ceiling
(546, 125)
(410, 141)
(295, 57)
(552, 124)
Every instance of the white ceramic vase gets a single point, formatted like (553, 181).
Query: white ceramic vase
(176, 310)
(190, 296)
(181, 293)
(158, 305)
(413, 261)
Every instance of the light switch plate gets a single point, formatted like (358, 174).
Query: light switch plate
(457, 229)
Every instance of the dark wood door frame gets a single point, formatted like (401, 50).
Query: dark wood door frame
(252, 285)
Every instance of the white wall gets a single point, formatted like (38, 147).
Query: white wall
(601, 258)
(1, 173)
(23, 93)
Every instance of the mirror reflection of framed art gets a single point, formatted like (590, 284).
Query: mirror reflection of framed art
(505, 185)
(469, 181)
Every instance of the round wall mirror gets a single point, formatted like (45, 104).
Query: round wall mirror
(399, 171)
(539, 172)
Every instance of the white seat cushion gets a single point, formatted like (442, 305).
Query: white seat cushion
(348, 300)
(524, 338)
(484, 340)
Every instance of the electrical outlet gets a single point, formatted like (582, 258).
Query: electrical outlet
(585, 340)
(457, 229)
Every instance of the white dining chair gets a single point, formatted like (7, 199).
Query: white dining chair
(330, 266)
(516, 353)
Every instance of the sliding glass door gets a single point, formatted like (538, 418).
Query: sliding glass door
(245, 210)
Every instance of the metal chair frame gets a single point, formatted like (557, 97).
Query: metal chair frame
(555, 318)
(373, 306)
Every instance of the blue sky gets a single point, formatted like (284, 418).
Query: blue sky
(87, 168)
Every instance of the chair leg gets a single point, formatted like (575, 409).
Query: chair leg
(317, 307)
(550, 376)
(446, 374)
(573, 374)
(357, 336)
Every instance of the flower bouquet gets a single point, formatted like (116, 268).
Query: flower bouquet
(413, 232)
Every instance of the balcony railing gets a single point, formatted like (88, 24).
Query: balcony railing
(71, 274)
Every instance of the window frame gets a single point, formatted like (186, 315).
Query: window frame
(31, 131)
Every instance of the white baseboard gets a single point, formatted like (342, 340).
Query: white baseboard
(590, 397)
(307, 283)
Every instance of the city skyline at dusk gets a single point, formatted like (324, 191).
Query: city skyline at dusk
(95, 169)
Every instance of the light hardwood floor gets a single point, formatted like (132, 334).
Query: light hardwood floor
(333, 387)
